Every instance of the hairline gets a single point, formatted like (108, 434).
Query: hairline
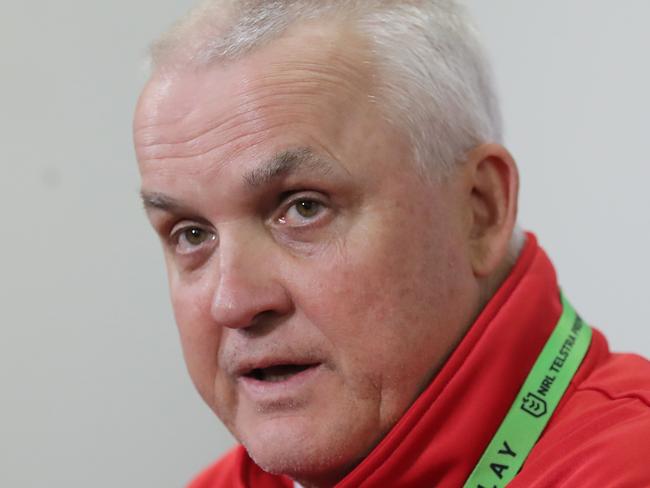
(240, 31)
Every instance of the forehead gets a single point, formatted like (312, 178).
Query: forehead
(314, 72)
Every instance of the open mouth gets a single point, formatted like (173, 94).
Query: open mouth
(278, 373)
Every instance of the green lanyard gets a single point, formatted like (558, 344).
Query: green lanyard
(535, 403)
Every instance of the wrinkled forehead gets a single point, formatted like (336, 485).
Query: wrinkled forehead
(324, 64)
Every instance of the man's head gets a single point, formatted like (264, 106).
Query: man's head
(330, 231)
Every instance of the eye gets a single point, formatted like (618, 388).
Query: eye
(307, 208)
(191, 239)
(302, 211)
(195, 236)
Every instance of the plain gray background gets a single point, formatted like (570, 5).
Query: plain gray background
(94, 391)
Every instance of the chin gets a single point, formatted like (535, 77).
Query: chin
(299, 449)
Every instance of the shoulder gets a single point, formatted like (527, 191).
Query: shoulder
(601, 435)
(621, 376)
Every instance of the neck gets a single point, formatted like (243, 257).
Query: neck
(490, 284)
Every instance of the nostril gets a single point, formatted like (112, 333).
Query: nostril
(262, 324)
(247, 297)
(263, 316)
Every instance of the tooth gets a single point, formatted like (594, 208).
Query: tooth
(274, 374)
(273, 378)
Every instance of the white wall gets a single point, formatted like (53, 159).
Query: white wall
(94, 391)
(574, 78)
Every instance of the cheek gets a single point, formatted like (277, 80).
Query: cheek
(200, 338)
(383, 276)
(379, 299)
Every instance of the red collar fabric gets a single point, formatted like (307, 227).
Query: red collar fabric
(442, 436)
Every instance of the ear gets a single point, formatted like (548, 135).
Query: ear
(492, 183)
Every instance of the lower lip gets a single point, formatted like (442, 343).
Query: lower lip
(287, 389)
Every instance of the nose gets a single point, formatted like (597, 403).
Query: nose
(249, 286)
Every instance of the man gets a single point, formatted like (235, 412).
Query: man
(354, 299)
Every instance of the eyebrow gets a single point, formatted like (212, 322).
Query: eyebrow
(160, 201)
(279, 166)
(285, 163)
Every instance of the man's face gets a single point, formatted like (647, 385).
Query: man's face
(318, 283)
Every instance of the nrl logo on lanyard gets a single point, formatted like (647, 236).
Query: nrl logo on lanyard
(538, 398)
(534, 405)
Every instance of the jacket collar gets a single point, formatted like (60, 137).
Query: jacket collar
(444, 433)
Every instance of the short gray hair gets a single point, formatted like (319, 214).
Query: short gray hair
(434, 82)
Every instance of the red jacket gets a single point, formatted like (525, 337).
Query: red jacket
(599, 436)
